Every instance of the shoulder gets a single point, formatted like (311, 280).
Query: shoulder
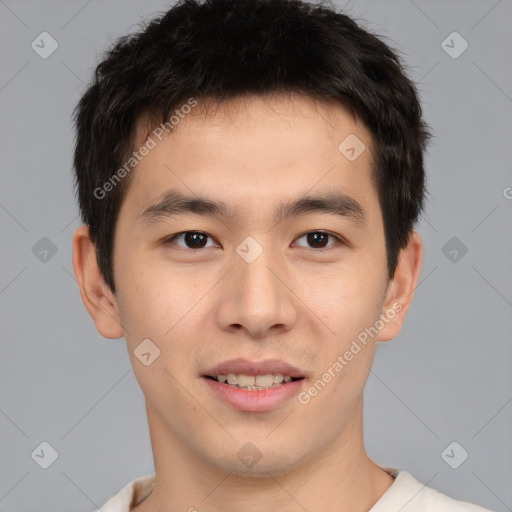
(130, 495)
(408, 494)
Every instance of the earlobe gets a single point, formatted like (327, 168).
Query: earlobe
(401, 289)
(98, 299)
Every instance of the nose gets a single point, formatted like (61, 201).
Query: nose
(257, 298)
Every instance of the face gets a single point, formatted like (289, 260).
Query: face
(248, 294)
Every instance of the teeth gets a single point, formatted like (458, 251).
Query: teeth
(278, 378)
(232, 379)
(265, 381)
(252, 382)
(246, 380)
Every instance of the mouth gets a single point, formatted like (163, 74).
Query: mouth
(254, 386)
(253, 382)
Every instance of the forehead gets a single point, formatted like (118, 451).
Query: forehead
(255, 149)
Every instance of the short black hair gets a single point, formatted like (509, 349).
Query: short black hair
(226, 49)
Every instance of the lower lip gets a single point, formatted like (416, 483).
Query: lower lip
(255, 401)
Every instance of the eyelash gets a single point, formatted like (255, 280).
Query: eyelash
(339, 240)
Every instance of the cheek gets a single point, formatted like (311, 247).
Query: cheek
(161, 306)
(350, 306)
(153, 312)
(347, 300)
(149, 297)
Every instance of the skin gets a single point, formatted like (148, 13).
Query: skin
(204, 306)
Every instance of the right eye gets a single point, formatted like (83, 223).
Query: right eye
(192, 239)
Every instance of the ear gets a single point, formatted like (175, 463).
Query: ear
(97, 297)
(401, 288)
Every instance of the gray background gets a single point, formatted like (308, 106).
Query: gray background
(445, 378)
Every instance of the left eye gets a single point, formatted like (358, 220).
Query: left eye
(318, 238)
(197, 239)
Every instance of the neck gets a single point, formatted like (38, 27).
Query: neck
(341, 477)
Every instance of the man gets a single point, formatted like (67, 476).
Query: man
(249, 174)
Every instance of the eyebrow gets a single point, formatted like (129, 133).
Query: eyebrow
(174, 203)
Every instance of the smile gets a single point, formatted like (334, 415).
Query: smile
(253, 382)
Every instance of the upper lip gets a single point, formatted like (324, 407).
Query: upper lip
(247, 367)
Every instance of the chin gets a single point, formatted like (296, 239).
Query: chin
(263, 465)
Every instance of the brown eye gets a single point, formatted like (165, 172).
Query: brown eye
(192, 239)
(319, 239)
